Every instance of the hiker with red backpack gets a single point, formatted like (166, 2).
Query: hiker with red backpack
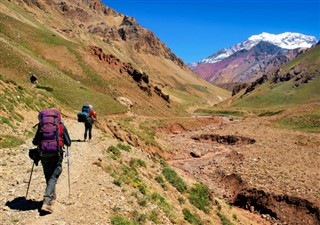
(51, 136)
(89, 123)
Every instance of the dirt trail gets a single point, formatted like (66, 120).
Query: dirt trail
(86, 195)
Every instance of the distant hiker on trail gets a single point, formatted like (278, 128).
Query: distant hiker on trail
(89, 122)
(33, 79)
(50, 138)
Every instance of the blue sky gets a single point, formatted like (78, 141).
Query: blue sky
(194, 29)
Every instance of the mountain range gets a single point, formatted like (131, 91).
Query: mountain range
(250, 59)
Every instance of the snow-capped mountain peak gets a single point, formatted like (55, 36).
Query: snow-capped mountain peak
(287, 40)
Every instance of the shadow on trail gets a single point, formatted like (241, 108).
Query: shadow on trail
(78, 140)
(23, 204)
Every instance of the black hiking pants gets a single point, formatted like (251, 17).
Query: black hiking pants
(52, 168)
(88, 128)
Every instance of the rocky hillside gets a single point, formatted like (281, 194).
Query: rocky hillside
(89, 47)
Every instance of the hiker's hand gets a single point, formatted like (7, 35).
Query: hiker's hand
(34, 155)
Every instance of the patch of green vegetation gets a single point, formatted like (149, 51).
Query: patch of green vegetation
(17, 117)
(224, 220)
(129, 176)
(28, 134)
(234, 216)
(8, 141)
(138, 162)
(154, 216)
(139, 217)
(145, 131)
(181, 200)
(124, 147)
(199, 196)
(174, 179)
(49, 89)
(143, 201)
(214, 112)
(200, 88)
(113, 152)
(182, 97)
(159, 200)
(141, 186)
(6, 121)
(270, 113)
(308, 59)
(281, 95)
(192, 218)
(161, 181)
(164, 205)
(121, 220)
(307, 121)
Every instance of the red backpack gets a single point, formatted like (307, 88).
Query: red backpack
(51, 130)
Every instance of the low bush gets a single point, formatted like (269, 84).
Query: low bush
(199, 196)
(123, 147)
(173, 178)
(191, 218)
(121, 220)
(113, 152)
(224, 220)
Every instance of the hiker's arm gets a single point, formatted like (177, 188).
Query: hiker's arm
(66, 137)
(35, 140)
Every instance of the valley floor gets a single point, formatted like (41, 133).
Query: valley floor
(268, 170)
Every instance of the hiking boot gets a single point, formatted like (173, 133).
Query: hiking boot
(47, 208)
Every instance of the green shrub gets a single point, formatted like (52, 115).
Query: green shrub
(173, 178)
(270, 113)
(143, 201)
(138, 162)
(224, 220)
(199, 196)
(140, 217)
(126, 148)
(191, 218)
(143, 188)
(302, 121)
(6, 121)
(154, 216)
(121, 220)
(113, 152)
(159, 200)
(161, 181)
(117, 182)
(181, 200)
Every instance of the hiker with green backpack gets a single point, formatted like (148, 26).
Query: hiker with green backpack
(51, 136)
(88, 117)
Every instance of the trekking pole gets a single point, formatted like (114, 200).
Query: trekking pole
(30, 179)
(68, 163)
